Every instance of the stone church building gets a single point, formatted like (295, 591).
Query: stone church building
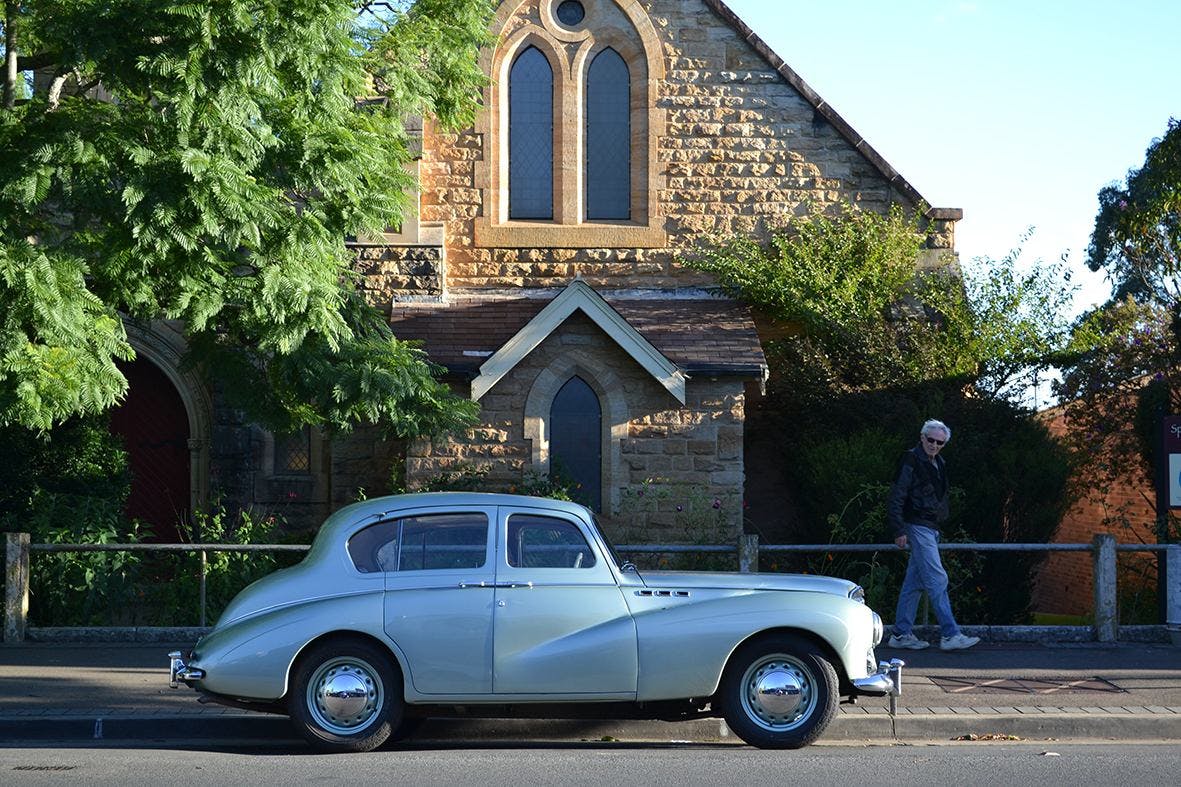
(542, 270)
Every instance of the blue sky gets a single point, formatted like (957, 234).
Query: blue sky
(1016, 111)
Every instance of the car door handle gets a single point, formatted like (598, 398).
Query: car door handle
(477, 585)
(514, 585)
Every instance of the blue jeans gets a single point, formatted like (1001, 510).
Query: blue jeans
(924, 571)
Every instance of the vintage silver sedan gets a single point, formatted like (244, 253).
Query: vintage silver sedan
(501, 605)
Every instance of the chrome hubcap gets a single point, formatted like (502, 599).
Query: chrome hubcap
(344, 695)
(778, 692)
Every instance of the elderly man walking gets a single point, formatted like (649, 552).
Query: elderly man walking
(917, 508)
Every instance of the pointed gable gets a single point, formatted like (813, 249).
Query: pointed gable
(579, 296)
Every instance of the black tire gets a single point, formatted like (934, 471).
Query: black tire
(370, 708)
(798, 697)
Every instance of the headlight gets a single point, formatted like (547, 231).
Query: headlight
(857, 594)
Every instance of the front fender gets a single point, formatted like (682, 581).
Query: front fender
(252, 658)
(684, 648)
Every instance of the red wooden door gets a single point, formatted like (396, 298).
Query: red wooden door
(155, 429)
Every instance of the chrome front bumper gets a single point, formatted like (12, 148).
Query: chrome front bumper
(887, 680)
(180, 671)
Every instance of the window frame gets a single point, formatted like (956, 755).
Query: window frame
(398, 523)
(565, 524)
(623, 27)
(591, 174)
(519, 191)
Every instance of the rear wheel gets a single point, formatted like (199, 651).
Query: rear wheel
(779, 692)
(345, 696)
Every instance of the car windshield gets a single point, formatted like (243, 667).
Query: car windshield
(619, 561)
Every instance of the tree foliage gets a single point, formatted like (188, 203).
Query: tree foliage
(1137, 236)
(204, 161)
(1123, 369)
(867, 319)
(879, 346)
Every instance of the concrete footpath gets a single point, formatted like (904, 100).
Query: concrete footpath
(119, 692)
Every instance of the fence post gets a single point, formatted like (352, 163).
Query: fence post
(748, 553)
(16, 585)
(1173, 602)
(1106, 607)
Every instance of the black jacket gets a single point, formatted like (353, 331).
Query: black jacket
(919, 494)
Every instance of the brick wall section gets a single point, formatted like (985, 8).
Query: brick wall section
(1063, 584)
(742, 152)
(688, 456)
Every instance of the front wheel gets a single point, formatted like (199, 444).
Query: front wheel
(345, 696)
(779, 692)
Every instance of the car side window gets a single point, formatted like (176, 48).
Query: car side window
(369, 547)
(546, 542)
(432, 541)
(437, 541)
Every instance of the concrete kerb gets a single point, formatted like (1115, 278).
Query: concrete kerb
(270, 729)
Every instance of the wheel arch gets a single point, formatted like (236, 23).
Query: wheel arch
(396, 658)
(830, 653)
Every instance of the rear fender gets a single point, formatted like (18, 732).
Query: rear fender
(254, 657)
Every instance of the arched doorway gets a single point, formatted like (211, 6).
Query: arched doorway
(576, 445)
(154, 425)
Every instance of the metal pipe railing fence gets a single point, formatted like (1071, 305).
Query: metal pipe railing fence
(1103, 549)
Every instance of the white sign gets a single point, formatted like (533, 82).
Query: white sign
(1174, 480)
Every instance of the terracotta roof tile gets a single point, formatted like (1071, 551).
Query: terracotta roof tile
(698, 335)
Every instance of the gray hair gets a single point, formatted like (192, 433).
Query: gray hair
(932, 425)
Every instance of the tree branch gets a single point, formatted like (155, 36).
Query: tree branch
(10, 63)
(39, 60)
(55, 87)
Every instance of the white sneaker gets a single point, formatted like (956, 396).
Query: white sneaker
(908, 641)
(958, 642)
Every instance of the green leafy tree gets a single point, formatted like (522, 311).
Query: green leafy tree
(1121, 373)
(874, 347)
(204, 161)
(1137, 236)
(866, 319)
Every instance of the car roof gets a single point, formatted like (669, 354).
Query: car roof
(390, 505)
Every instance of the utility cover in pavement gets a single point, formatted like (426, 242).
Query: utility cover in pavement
(1024, 685)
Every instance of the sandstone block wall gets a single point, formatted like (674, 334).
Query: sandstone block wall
(675, 477)
(391, 273)
(739, 151)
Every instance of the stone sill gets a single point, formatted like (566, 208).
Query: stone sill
(530, 235)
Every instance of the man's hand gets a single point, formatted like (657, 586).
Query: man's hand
(901, 541)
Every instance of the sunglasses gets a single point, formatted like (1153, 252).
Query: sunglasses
(933, 441)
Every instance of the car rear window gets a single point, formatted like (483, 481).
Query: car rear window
(419, 543)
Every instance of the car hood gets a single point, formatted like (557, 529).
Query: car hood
(808, 583)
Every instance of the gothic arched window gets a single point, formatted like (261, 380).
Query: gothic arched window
(608, 137)
(531, 137)
(576, 449)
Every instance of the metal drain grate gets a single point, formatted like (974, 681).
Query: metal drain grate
(1025, 685)
(45, 767)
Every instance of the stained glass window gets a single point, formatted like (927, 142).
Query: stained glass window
(608, 137)
(531, 137)
(293, 453)
(570, 12)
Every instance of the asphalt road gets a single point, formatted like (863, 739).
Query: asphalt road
(598, 764)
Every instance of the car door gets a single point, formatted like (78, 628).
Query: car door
(562, 627)
(439, 578)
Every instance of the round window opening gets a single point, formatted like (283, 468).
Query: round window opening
(570, 12)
